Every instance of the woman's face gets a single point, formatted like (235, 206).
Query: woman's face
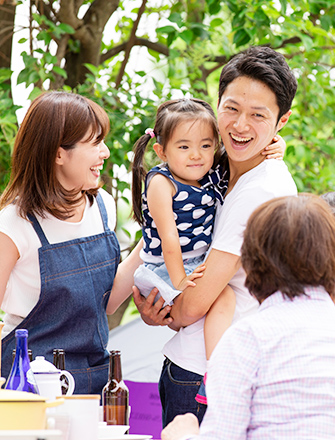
(247, 117)
(79, 168)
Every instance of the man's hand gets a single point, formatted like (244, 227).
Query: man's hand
(152, 314)
(181, 426)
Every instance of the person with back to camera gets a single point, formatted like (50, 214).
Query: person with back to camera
(177, 208)
(256, 91)
(279, 380)
(58, 251)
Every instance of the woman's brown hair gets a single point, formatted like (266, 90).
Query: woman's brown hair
(169, 115)
(289, 243)
(53, 120)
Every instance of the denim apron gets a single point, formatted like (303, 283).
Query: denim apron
(76, 279)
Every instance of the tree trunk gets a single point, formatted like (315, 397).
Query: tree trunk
(7, 15)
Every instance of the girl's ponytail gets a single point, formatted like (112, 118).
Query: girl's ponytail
(138, 176)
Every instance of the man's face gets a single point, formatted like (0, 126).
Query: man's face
(247, 117)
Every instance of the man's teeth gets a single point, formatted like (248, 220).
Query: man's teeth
(240, 139)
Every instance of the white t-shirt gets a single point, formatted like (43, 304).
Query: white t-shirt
(24, 284)
(266, 181)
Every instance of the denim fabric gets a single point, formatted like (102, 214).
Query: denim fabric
(76, 279)
(189, 265)
(178, 389)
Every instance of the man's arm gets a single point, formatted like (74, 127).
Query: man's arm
(194, 302)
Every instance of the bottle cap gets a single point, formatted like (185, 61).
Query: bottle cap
(21, 332)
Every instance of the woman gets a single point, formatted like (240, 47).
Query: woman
(255, 95)
(279, 381)
(58, 251)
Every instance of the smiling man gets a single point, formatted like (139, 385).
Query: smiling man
(255, 95)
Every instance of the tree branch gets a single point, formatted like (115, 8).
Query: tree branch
(157, 47)
(130, 44)
(68, 13)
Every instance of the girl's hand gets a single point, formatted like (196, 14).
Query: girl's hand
(276, 149)
(152, 314)
(188, 280)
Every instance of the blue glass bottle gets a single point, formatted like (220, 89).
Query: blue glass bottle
(21, 377)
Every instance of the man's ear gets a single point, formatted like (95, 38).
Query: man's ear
(159, 150)
(283, 120)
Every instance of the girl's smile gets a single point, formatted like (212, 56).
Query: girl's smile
(189, 152)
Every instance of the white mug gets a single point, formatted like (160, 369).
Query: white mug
(48, 378)
(82, 412)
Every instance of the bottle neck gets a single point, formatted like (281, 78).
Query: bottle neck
(59, 359)
(115, 372)
(21, 346)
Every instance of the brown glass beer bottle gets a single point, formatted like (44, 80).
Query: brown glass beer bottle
(115, 394)
(59, 362)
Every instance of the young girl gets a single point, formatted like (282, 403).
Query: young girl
(58, 251)
(177, 208)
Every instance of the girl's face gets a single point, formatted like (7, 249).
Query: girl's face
(79, 168)
(190, 151)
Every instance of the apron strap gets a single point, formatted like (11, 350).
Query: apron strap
(103, 211)
(39, 231)
(42, 236)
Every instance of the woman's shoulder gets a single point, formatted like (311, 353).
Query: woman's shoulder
(110, 206)
(18, 229)
(10, 214)
(106, 196)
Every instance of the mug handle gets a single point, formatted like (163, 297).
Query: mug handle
(71, 380)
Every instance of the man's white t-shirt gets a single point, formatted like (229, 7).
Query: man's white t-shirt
(24, 284)
(266, 181)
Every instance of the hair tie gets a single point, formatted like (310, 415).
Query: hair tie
(150, 132)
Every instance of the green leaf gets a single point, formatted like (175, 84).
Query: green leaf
(307, 41)
(283, 4)
(326, 22)
(175, 17)
(35, 93)
(261, 18)
(165, 30)
(93, 69)
(66, 28)
(214, 7)
(60, 71)
(241, 37)
(216, 22)
(187, 36)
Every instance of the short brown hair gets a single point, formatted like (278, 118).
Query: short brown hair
(289, 243)
(53, 120)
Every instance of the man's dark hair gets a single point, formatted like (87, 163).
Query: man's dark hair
(266, 65)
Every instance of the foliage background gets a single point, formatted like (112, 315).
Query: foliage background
(130, 55)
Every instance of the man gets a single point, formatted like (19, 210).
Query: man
(255, 95)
